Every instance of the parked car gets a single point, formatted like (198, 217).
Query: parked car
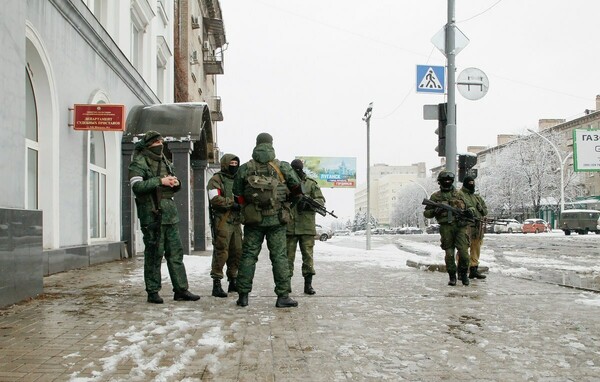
(433, 228)
(323, 234)
(507, 226)
(341, 232)
(535, 226)
(409, 230)
(580, 221)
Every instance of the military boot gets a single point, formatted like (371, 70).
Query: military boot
(217, 290)
(464, 278)
(232, 286)
(474, 273)
(242, 299)
(452, 281)
(154, 298)
(285, 302)
(185, 295)
(308, 289)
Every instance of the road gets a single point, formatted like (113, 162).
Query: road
(546, 257)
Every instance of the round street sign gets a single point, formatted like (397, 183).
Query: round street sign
(472, 83)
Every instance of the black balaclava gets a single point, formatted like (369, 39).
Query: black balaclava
(298, 167)
(469, 183)
(233, 169)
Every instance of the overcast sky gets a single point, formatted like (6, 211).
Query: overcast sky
(305, 72)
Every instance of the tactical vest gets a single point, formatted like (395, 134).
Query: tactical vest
(265, 187)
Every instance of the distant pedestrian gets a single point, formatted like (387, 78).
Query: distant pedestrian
(301, 230)
(153, 181)
(476, 230)
(262, 186)
(453, 230)
(225, 225)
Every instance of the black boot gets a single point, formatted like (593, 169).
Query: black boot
(464, 278)
(308, 289)
(452, 281)
(217, 290)
(232, 286)
(242, 299)
(474, 273)
(285, 302)
(185, 295)
(155, 298)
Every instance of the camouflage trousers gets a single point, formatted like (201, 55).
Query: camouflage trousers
(454, 236)
(253, 238)
(169, 245)
(307, 244)
(227, 249)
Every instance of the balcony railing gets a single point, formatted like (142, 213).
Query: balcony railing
(216, 115)
(213, 63)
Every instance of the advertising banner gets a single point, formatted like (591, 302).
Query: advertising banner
(331, 172)
(586, 151)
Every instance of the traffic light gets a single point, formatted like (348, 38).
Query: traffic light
(465, 166)
(441, 130)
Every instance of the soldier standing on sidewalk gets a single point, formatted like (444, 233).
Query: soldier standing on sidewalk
(475, 203)
(453, 230)
(261, 186)
(225, 224)
(153, 181)
(301, 229)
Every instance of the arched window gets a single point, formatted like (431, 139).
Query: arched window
(32, 145)
(97, 195)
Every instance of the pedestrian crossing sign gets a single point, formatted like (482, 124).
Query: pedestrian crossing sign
(430, 79)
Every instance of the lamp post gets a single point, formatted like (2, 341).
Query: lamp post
(561, 162)
(367, 119)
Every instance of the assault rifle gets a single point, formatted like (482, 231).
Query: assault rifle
(313, 204)
(461, 214)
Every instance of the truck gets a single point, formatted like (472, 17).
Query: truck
(580, 221)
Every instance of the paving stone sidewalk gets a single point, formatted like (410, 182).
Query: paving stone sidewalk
(366, 323)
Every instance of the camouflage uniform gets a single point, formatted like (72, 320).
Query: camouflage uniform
(161, 232)
(269, 223)
(225, 222)
(301, 230)
(453, 231)
(476, 204)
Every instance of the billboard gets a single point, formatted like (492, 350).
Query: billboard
(586, 149)
(331, 172)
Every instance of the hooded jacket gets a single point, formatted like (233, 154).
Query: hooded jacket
(220, 194)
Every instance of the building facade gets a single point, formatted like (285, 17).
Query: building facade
(386, 182)
(62, 208)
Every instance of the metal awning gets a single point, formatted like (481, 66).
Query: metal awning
(185, 121)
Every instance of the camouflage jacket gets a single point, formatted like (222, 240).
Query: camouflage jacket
(262, 154)
(475, 203)
(303, 218)
(220, 194)
(144, 178)
(454, 198)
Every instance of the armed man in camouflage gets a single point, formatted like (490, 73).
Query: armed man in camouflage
(261, 186)
(153, 181)
(453, 230)
(301, 230)
(475, 203)
(226, 225)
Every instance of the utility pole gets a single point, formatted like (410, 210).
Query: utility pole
(451, 109)
(367, 119)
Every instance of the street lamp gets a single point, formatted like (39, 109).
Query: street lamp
(561, 162)
(367, 119)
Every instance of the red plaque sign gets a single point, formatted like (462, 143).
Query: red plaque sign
(100, 116)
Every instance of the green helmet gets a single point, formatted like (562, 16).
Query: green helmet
(445, 180)
(445, 175)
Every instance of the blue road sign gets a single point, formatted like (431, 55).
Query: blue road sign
(430, 79)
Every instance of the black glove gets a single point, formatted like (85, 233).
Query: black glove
(469, 214)
(438, 211)
(236, 207)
